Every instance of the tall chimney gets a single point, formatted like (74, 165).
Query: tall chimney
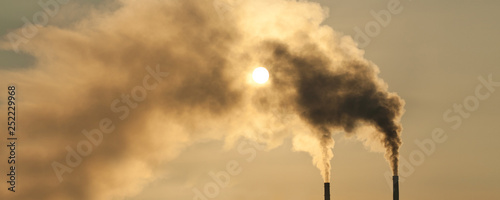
(327, 191)
(395, 187)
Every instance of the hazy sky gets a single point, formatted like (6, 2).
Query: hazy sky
(433, 54)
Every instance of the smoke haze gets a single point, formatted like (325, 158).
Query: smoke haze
(319, 84)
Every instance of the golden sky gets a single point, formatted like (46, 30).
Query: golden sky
(146, 100)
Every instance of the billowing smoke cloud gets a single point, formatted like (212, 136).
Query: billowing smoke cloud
(197, 87)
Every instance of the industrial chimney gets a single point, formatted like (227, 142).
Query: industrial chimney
(395, 187)
(327, 191)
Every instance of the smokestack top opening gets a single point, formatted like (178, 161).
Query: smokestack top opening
(395, 187)
(327, 191)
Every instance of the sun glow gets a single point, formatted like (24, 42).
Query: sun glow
(260, 75)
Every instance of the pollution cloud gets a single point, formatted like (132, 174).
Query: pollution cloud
(93, 70)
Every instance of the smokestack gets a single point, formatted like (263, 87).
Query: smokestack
(395, 187)
(327, 191)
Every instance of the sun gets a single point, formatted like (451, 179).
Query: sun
(260, 75)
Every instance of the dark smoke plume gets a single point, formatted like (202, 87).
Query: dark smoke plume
(339, 97)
